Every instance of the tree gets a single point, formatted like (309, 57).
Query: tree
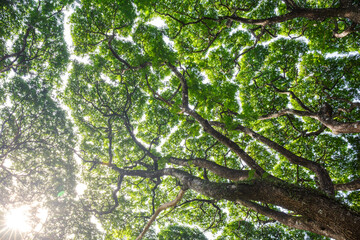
(234, 103)
(31, 38)
(227, 115)
(37, 166)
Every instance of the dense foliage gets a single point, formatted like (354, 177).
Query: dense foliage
(239, 117)
(37, 166)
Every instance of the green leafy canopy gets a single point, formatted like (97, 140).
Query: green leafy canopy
(238, 119)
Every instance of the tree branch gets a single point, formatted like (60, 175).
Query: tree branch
(346, 32)
(160, 209)
(209, 129)
(292, 94)
(286, 219)
(312, 14)
(288, 111)
(128, 66)
(114, 197)
(323, 175)
(224, 172)
(335, 126)
(278, 193)
(350, 186)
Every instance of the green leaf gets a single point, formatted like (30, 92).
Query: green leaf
(61, 193)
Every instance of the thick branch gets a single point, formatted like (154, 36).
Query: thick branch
(318, 209)
(288, 111)
(335, 126)
(288, 220)
(350, 186)
(224, 172)
(312, 205)
(340, 127)
(312, 14)
(320, 171)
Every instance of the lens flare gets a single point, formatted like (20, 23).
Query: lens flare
(18, 219)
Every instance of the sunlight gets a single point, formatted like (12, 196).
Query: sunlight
(23, 222)
(18, 219)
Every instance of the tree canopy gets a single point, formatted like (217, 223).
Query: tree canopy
(239, 118)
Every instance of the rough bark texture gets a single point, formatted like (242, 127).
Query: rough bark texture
(350, 186)
(319, 213)
(320, 171)
(314, 211)
(313, 14)
(221, 171)
(335, 126)
(324, 178)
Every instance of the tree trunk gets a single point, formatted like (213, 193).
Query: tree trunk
(314, 211)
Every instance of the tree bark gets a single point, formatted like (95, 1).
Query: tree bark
(313, 210)
(209, 129)
(350, 186)
(322, 174)
(335, 126)
(221, 171)
(318, 213)
(319, 14)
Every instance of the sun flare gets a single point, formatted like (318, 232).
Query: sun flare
(18, 219)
